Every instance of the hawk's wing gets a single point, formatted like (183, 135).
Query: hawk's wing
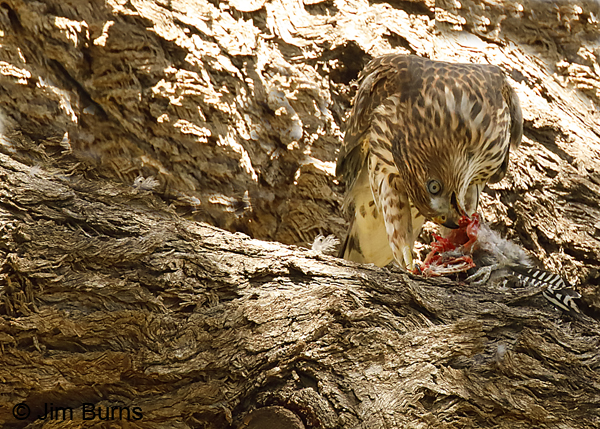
(516, 127)
(377, 81)
(367, 237)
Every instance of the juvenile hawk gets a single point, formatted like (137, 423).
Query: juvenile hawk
(423, 139)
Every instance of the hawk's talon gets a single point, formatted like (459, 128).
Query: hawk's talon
(417, 270)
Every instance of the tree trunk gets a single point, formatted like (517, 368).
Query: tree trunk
(134, 134)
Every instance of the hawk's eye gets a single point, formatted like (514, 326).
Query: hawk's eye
(434, 187)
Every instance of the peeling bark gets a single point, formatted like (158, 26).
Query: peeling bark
(135, 297)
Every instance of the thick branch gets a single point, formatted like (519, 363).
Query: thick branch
(111, 299)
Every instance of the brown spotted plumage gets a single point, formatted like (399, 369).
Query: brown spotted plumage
(422, 140)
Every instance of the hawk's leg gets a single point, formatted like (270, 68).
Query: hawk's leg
(398, 223)
(402, 222)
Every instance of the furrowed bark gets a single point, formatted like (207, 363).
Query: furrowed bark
(167, 300)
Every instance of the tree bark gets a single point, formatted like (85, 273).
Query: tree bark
(126, 300)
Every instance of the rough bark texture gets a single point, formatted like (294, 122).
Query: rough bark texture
(112, 294)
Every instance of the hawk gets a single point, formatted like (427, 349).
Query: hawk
(422, 140)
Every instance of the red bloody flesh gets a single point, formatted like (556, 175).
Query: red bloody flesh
(465, 236)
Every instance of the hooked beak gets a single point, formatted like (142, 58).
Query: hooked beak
(450, 224)
(452, 220)
(460, 211)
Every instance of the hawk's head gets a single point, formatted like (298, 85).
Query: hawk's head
(446, 206)
(448, 146)
(446, 190)
(442, 200)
